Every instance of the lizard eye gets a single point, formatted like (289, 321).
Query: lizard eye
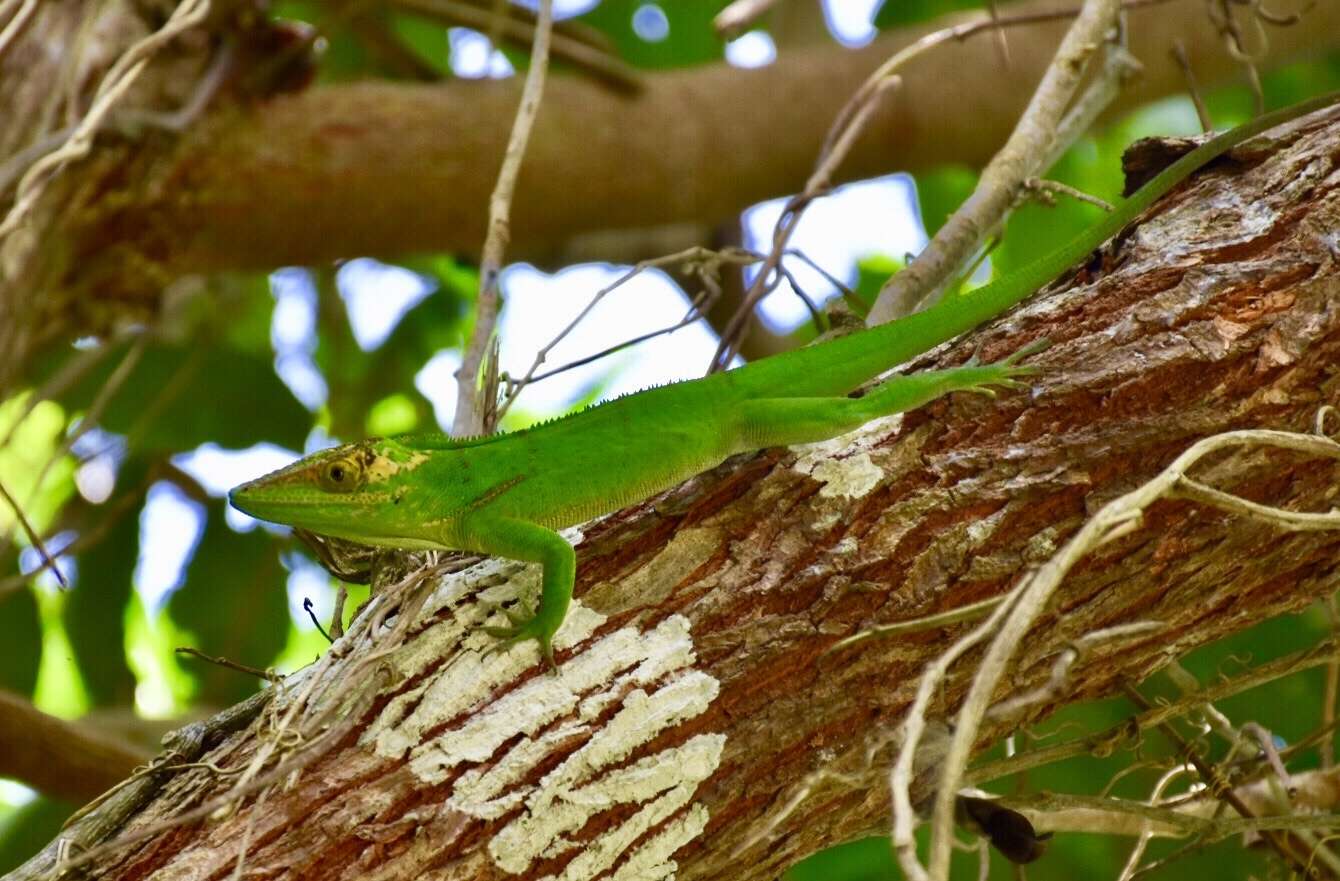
(342, 475)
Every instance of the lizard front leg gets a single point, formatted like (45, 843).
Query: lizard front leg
(521, 540)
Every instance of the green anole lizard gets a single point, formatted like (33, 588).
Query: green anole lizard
(507, 495)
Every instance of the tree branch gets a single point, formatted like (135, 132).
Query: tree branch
(334, 171)
(66, 760)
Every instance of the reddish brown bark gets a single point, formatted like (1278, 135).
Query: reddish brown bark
(1218, 311)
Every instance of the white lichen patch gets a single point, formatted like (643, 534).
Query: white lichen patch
(652, 862)
(662, 784)
(863, 438)
(854, 474)
(851, 477)
(603, 703)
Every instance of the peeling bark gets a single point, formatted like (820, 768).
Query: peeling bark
(692, 684)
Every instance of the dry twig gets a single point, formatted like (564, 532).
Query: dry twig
(1038, 138)
(469, 412)
(738, 17)
(115, 84)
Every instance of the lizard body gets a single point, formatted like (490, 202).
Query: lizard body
(507, 494)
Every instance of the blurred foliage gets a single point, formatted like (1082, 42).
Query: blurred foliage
(206, 375)
(248, 621)
(901, 13)
(27, 829)
(177, 397)
(689, 38)
(361, 381)
(94, 612)
(20, 640)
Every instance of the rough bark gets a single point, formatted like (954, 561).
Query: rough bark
(394, 168)
(703, 698)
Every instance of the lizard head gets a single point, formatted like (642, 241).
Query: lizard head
(333, 492)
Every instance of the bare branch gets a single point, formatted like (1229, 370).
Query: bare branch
(1037, 138)
(469, 418)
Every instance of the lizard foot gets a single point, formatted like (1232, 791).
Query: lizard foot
(1002, 373)
(524, 626)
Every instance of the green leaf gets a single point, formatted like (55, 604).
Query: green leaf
(20, 640)
(95, 609)
(29, 828)
(234, 604)
(358, 379)
(178, 397)
(941, 192)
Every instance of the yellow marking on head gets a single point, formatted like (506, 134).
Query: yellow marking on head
(379, 468)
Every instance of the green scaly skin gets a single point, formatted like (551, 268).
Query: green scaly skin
(506, 495)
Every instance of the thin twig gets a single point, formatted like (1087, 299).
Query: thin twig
(337, 613)
(16, 24)
(1266, 741)
(1104, 743)
(1192, 87)
(1118, 816)
(851, 122)
(740, 16)
(108, 518)
(1221, 15)
(1046, 190)
(705, 262)
(1214, 779)
(601, 64)
(1146, 834)
(33, 538)
(1035, 138)
(918, 625)
(469, 412)
(1116, 519)
(220, 661)
(247, 830)
(1060, 675)
(114, 85)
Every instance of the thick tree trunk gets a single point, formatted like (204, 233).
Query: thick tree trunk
(693, 697)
